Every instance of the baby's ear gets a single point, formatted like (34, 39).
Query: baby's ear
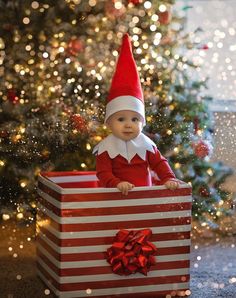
(107, 124)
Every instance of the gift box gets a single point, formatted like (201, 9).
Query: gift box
(78, 221)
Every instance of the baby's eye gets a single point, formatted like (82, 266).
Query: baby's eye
(135, 119)
(121, 119)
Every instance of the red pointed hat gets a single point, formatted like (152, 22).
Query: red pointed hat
(125, 92)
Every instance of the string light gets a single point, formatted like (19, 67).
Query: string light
(147, 4)
(92, 3)
(176, 150)
(26, 20)
(23, 183)
(210, 172)
(162, 8)
(88, 146)
(19, 215)
(47, 292)
(35, 5)
(177, 165)
(5, 216)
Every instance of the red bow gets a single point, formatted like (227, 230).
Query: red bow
(131, 252)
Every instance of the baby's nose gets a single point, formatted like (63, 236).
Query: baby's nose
(128, 124)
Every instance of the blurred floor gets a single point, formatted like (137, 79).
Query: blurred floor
(213, 265)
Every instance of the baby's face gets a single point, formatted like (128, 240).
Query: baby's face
(125, 125)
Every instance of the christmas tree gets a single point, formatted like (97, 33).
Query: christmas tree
(57, 60)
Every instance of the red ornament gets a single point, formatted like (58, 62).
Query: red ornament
(131, 252)
(4, 133)
(203, 47)
(78, 122)
(75, 47)
(113, 11)
(164, 17)
(12, 97)
(204, 192)
(202, 148)
(135, 2)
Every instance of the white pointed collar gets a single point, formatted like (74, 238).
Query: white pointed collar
(115, 146)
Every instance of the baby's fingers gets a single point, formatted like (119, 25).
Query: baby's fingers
(126, 188)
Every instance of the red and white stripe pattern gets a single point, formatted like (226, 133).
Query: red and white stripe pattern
(78, 221)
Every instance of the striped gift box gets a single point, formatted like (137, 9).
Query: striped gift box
(78, 221)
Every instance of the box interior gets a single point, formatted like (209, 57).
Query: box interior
(73, 179)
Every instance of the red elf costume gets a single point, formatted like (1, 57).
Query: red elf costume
(131, 161)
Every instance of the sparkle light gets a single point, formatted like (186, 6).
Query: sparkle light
(26, 20)
(153, 27)
(47, 292)
(154, 17)
(5, 216)
(23, 184)
(177, 165)
(232, 280)
(35, 5)
(118, 5)
(45, 55)
(88, 146)
(176, 150)
(147, 4)
(162, 8)
(61, 49)
(210, 172)
(92, 3)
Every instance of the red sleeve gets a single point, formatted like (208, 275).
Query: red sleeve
(104, 171)
(160, 166)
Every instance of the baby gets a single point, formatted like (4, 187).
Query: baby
(125, 157)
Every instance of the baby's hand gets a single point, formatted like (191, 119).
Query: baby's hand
(124, 187)
(172, 184)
